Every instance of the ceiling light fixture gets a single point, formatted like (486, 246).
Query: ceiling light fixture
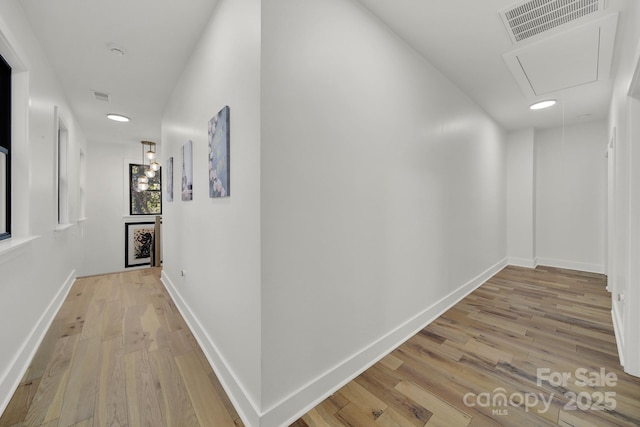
(117, 117)
(154, 166)
(543, 104)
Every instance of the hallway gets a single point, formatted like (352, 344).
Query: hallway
(119, 353)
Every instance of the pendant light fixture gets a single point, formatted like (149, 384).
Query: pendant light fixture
(154, 166)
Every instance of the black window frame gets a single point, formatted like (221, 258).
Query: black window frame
(5, 137)
(133, 182)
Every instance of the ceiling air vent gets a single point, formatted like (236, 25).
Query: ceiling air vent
(534, 17)
(101, 96)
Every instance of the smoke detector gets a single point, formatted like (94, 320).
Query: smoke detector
(530, 18)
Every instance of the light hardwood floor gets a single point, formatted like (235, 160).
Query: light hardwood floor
(119, 354)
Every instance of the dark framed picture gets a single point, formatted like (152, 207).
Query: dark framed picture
(219, 155)
(138, 237)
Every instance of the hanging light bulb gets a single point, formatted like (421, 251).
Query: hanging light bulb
(150, 172)
(151, 153)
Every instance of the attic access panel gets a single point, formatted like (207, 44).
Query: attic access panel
(574, 57)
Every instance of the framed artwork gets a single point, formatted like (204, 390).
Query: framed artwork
(219, 155)
(168, 180)
(187, 171)
(138, 237)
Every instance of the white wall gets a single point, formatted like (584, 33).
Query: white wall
(107, 207)
(571, 196)
(217, 241)
(383, 193)
(624, 243)
(521, 198)
(35, 277)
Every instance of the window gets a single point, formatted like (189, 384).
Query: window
(146, 202)
(5, 149)
(62, 146)
(82, 192)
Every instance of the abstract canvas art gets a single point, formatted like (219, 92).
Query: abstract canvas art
(219, 155)
(139, 243)
(168, 180)
(187, 171)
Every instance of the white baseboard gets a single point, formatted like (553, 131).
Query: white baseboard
(617, 329)
(523, 262)
(572, 265)
(13, 375)
(245, 406)
(301, 401)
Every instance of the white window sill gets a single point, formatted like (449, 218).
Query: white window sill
(82, 219)
(62, 227)
(142, 217)
(14, 243)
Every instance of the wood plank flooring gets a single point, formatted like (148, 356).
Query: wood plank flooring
(491, 344)
(119, 354)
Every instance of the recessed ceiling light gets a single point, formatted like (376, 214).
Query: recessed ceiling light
(543, 104)
(118, 117)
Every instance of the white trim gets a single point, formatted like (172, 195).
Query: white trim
(304, 399)
(634, 84)
(141, 218)
(246, 407)
(10, 379)
(572, 265)
(617, 329)
(82, 185)
(314, 392)
(523, 262)
(61, 147)
(62, 227)
(15, 243)
(10, 50)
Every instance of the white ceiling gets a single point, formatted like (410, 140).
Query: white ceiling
(467, 41)
(157, 36)
(464, 39)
